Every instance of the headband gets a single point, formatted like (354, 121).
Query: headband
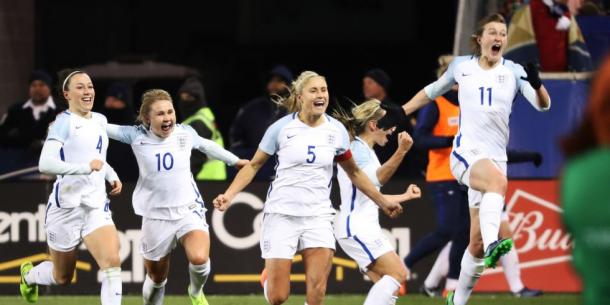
(63, 87)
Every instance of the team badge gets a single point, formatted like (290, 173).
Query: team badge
(182, 142)
(501, 78)
(331, 139)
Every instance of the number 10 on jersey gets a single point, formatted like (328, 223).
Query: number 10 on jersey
(167, 161)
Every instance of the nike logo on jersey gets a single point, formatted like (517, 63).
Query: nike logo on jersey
(77, 127)
(464, 74)
(291, 136)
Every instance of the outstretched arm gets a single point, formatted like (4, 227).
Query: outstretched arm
(241, 180)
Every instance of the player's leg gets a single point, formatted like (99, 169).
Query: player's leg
(487, 178)
(277, 285)
(472, 265)
(392, 272)
(510, 263)
(437, 273)
(153, 289)
(318, 263)
(103, 244)
(196, 244)
(460, 237)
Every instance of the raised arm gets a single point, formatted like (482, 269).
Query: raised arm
(387, 170)
(364, 184)
(532, 88)
(241, 180)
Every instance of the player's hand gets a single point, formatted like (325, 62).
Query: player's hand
(96, 164)
(405, 142)
(532, 75)
(117, 186)
(241, 163)
(393, 209)
(413, 192)
(222, 202)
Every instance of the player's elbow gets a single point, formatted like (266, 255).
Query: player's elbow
(44, 166)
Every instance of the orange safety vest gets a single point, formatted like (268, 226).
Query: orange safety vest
(446, 126)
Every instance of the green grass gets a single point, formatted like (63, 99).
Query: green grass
(487, 299)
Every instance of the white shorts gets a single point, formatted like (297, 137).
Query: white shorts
(66, 227)
(365, 249)
(160, 236)
(284, 235)
(461, 161)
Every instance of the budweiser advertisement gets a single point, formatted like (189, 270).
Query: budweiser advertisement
(543, 245)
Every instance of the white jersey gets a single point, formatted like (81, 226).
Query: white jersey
(83, 140)
(486, 98)
(358, 212)
(165, 187)
(304, 169)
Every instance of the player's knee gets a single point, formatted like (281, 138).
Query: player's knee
(400, 274)
(198, 259)
(498, 183)
(110, 261)
(277, 298)
(476, 247)
(157, 278)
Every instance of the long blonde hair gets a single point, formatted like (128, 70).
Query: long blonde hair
(291, 103)
(359, 116)
(148, 99)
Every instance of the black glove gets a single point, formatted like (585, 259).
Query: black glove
(395, 116)
(537, 159)
(532, 75)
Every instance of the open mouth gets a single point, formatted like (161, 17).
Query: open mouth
(495, 49)
(318, 103)
(87, 99)
(167, 126)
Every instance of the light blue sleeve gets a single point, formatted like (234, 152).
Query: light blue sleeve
(125, 134)
(60, 128)
(210, 148)
(270, 144)
(446, 81)
(344, 143)
(524, 86)
(363, 158)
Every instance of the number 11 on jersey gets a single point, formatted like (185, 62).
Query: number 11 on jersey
(483, 89)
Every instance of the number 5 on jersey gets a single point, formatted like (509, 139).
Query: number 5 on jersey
(311, 154)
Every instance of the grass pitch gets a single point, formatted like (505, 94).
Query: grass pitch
(337, 299)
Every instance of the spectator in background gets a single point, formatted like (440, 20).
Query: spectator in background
(375, 85)
(25, 124)
(544, 31)
(194, 108)
(118, 110)
(584, 191)
(255, 116)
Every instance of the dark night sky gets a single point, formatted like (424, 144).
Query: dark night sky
(234, 43)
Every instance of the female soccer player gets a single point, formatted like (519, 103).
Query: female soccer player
(488, 85)
(166, 195)
(357, 229)
(298, 213)
(78, 208)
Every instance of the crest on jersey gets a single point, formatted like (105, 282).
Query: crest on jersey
(182, 142)
(331, 139)
(501, 78)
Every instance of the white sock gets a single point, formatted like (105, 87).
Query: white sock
(512, 271)
(265, 291)
(440, 269)
(112, 286)
(382, 292)
(41, 274)
(393, 300)
(472, 268)
(490, 213)
(152, 292)
(199, 275)
(451, 284)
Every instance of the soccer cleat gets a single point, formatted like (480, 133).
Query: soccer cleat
(28, 292)
(199, 299)
(429, 292)
(263, 277)
(496, 250)
(528, 293)
(450, 298)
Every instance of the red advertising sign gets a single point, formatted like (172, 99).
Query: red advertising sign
(543, 245)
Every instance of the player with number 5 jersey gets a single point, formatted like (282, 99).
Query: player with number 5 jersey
(488, 85)
(298, 213)
(166, 195)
